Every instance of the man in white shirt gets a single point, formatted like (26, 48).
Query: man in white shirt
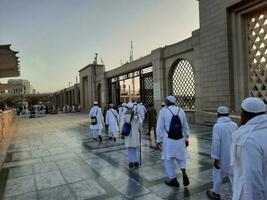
(172, 128)
(96, 117)
(112, 121)
(220, 151)
(249, 155)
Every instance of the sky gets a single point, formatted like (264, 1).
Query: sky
(56, 38)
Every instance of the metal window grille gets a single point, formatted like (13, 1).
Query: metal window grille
(147, 89)
(183, 85)
(257, 46)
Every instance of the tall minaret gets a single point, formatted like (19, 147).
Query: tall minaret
(131, 52)
(131, 60)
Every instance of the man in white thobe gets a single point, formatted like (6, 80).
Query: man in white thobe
(173, 149)
(141, 110)
(220, 150)
(135, 106)
(96, 113)
(122, 111)
(249, 155)
(112, 121)
(132, 142)
(73, 108)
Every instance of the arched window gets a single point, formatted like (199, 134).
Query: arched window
(182, 84)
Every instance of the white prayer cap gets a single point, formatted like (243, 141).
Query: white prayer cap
(223, 110)
(129, 105)
(135, 103)
(171, 99)
(124, 104)
(95, 102)
(253, 105)
(141, 103)
(163, 104)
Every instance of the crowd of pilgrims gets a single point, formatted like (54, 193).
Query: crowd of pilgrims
(32, 111)
(240, 153)
(74, 108)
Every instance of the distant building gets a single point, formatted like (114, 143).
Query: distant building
(26, 89)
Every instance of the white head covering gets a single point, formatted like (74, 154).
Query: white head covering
(253, 105)
(135, 103)
(130, 105)
(171, 99)
(223, 110)
(95, 103)
(124, 104)
(163, 104)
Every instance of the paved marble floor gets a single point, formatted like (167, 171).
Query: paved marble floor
(54, 157)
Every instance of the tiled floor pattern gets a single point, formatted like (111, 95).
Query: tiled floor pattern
(55, 158)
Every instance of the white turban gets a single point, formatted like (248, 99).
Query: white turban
(171, 99)
(223, 110)
(95, 102)
(129, 105)
(253, 105)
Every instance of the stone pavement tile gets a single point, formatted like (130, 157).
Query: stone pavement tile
(77, 174)
(20, 171)
(88, 155)
(116, 198)
(98, 164)
(21, 185)
(150, 173)
(129, 187)
(40, 153)
(27, 196)
(62, 164)
(148, 197)
(86, 189)
(21, 163)
(164, 191)
(203, 176)
(48, 180)
(226, 194)
(57, 150)
(21, 145)
(44, 167)
(12, 150)
(21, 156)
(198, 196)
(59, 157)
(112, 173)
(56, 193)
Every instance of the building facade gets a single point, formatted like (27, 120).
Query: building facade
(24, 89)
(223, 62)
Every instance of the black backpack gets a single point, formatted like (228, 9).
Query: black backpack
(175, 131)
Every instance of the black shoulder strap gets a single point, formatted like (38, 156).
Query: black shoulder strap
(173, 115)
(96, 112)
(172, 112)
(132, 113)
(113, 113)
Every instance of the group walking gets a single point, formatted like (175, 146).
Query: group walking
(240, 153)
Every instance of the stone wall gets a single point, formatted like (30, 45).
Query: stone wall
(6, 119)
